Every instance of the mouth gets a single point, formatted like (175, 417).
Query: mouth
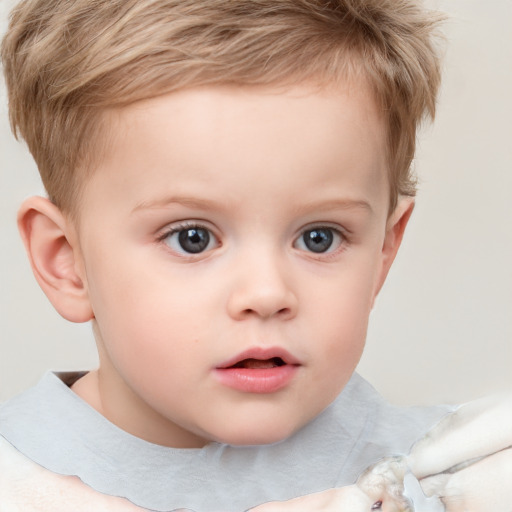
(257, 358)
(258, 371)
(259, 364)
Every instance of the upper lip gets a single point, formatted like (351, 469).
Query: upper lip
(261, 353)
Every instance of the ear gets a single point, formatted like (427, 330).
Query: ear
(53, 250)
(395, 228)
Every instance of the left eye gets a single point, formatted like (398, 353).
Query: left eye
(319, 240)
(190, 239)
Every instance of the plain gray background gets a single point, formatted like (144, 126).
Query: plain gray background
(441, 330)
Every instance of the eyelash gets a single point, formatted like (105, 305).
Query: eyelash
(341, 235)
(342, 241)
(187, 225)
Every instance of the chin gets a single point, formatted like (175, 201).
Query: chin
(257, 435)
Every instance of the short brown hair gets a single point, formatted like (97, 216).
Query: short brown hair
(66, 61)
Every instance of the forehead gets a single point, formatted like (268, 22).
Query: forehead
(231, 135)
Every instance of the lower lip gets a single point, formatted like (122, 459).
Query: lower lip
(261, 380)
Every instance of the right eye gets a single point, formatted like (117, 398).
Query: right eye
(319, 240)
(190, 239)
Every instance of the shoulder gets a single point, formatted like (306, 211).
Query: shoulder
(32, 425)
(383, 418)
(386, 429)
(26, 486)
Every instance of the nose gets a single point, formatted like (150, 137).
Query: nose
(262, 288)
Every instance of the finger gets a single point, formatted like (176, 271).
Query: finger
(383, 483)
(481, 487)
(476, 429)
(349, 499)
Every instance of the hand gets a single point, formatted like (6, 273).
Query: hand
(477, 429)
(349, 499)
(465, 460)
(483, 486)
(27, 487)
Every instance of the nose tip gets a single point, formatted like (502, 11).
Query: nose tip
(267, 307)
(263, 298)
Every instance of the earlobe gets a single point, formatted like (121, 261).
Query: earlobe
(53, 254)
(395, 229)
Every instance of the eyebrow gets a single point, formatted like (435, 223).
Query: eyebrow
(190, 202)
(208, 204)
(335, 204)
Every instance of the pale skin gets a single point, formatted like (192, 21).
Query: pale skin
(291, 188)
(480, 429)
(260, 171)
(30, 488)
(464, 462)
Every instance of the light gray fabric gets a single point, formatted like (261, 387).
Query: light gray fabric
(53, 427)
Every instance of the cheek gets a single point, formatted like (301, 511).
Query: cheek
(153, 347)
(137, 314)
(340, 314)
(156, 321)
(343, 304)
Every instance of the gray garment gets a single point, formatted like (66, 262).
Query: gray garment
(53, 427)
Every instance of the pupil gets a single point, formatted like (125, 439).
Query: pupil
(318, 240)
(194, 240)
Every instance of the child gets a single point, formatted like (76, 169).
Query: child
(228, 186)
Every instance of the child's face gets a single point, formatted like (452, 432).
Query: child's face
(232, 246)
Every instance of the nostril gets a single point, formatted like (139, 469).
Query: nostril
(263, 302)
(283, 312)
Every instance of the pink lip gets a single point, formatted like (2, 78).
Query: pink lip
(262, 354)
(258, 380)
